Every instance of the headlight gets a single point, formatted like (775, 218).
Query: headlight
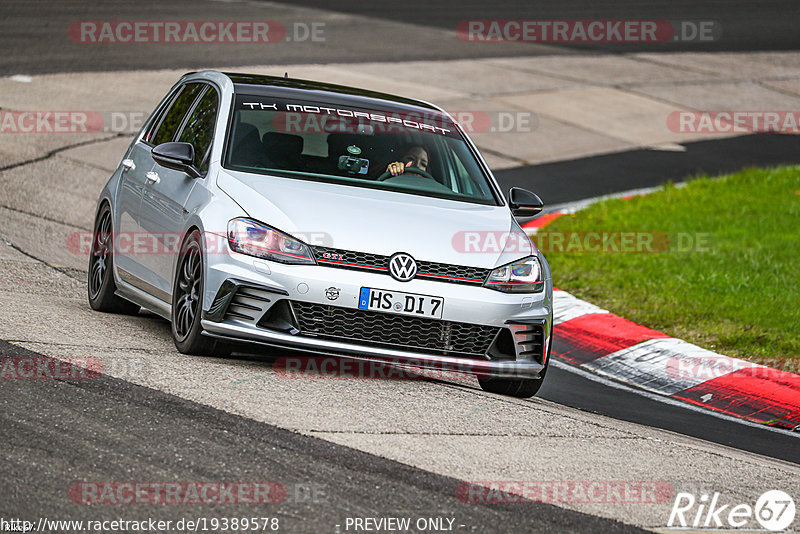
(257, 239)
(521, 276)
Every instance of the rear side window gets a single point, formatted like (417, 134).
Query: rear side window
(174, 116)
(199, 128)
(158, 114)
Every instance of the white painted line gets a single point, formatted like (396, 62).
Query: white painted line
(22, 78)
(666, 400)
(572, 207)
(666, 365)
(667, 147)
(567, 306)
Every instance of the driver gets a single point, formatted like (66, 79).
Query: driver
(416, 156)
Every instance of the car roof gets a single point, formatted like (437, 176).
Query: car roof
(256, 84)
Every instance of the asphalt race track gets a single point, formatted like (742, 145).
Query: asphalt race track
(349, 448)
(571, 389)
(233, 448)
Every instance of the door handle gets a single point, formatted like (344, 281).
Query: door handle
(152, 177)
(128, 165)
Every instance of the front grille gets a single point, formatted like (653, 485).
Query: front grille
(393, 331)
(347, 259)
(365, 261)
(452, 273)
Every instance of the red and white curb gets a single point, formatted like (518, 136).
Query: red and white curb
(605, 344)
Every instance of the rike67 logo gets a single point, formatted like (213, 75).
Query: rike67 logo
(774, 511)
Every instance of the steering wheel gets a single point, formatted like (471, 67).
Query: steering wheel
(386, 175)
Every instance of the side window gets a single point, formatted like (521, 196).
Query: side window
(199, 128)
(173, 118)
(158, 114)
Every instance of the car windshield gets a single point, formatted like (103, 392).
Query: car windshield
(420, 153)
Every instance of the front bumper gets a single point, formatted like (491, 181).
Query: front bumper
(264, 284)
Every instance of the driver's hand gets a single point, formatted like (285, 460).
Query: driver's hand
(395, 168)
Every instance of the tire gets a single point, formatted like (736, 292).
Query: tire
(522, 388)
(101, 285)
(187, 303)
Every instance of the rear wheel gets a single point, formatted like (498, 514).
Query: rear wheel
(187, 303)
(101, 285)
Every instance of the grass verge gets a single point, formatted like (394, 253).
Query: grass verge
(722, 269)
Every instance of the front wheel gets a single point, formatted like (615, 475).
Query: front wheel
(522, 388)
(187, 303)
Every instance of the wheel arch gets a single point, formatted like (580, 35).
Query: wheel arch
(103, 201)
(192, 227)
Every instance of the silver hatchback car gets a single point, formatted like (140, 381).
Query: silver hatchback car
(326, 219)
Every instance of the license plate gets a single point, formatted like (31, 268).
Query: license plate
(399, 302)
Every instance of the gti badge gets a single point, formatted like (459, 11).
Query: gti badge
(332, 293)
(402, 267)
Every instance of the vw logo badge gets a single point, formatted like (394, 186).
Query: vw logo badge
(332, 293)
(402, 267)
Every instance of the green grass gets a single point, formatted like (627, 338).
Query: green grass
(739, 295)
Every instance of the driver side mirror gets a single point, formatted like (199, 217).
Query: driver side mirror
(523, 203)
(176, 156)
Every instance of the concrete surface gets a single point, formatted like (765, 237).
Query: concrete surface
(578, 105)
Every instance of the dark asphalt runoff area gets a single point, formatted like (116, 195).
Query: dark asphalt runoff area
(764, 25)
(36, 37)
(582, 178)
(57, 433)
(570, 389)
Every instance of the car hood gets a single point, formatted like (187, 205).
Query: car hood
(379, 222)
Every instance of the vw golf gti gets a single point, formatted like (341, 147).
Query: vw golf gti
(326, 219)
